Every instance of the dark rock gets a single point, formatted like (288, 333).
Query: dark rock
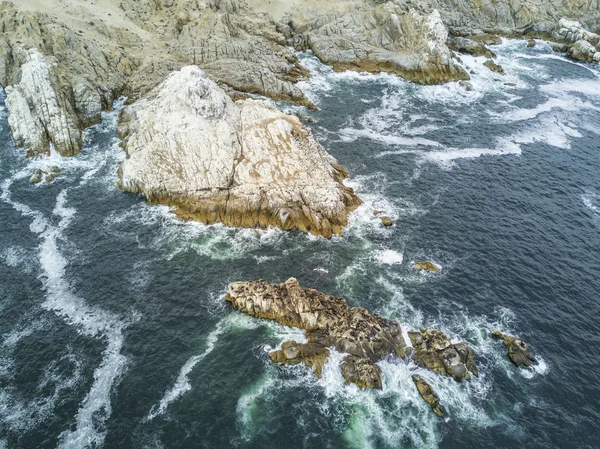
(531, 43)
(469, 47)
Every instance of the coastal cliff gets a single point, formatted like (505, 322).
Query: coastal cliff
(91, 53)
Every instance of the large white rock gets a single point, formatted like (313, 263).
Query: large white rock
(37, 116)
(243, 164)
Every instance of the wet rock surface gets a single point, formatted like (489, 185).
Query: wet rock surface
(428, 395)
(490, 64)
(426, 266)
(519, 352)
(92, 53)
(434, 351)
(311, 354)
(365, 336)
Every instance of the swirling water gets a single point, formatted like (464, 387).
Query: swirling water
(114, 332)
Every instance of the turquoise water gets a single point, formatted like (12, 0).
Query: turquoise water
(114, 332)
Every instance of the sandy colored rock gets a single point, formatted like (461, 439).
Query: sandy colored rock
(362, 372)
(243, 164)
(311, 354)
(387, 221)
(519, 352)
(531, 43)
(427, 266)
(434, 351)
(365, 336)
(428, 395)
(490, 64)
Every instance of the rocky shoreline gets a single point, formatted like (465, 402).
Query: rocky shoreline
(82, 56)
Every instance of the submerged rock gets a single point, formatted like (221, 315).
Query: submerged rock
(52, 172)
(519, 352)
(329, 322)
(490, 64)
(36, 177)
(242, 164)
(531, 43)
(466, 85)
(434, 351)
(427, 266)
(428, 395)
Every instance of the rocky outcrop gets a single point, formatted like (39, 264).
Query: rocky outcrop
(469, 47)
(434, 351)
(312, 355)
(490, 64)
(365, 336)
(519, 352)
(381, 38)
(581, 44)
(362, 372)
(426, 266)
(39, 114)
(242, 164)
(428, 395)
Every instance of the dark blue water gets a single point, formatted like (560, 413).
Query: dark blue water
(114, 332)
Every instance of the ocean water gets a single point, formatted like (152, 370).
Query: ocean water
(114, 331)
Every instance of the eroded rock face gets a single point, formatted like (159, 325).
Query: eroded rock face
(381, 38)
(242, 164)
(519, 352)
(39, 114)
(581, 44)
(434, 351)
(329, 322)
(470, 47)
(97, 53)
